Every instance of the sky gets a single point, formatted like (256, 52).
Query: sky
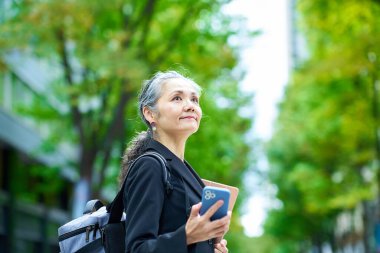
(266, 61)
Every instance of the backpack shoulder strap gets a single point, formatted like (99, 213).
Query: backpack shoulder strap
(92, 206)
(164, 164)
(116, 206)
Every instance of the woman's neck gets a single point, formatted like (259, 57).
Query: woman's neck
(175, 145)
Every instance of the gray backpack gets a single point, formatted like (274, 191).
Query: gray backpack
(101, 228)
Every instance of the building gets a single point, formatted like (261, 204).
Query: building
(35, 186)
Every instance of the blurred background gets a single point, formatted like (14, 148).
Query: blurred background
(70, 72)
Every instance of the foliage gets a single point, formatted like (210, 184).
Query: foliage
(31, 182)
(99, 52)
(324, 143)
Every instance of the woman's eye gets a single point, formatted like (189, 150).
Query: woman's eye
(177, 98)
(195, 100)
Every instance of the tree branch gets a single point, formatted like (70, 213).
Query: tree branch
(115, 127)
(143, 18)
(127, 19)
(148, 12)
(107, 154)
(171, 42)
(77, 117)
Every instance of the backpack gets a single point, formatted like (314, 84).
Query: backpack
(101, 229)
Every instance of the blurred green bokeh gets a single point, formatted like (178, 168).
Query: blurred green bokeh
(328, 181)
(71, 71)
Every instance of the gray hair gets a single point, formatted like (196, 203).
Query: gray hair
(152, 89)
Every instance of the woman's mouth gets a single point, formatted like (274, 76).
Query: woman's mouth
(189, 117)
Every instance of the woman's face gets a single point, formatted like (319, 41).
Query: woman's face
(178, 110)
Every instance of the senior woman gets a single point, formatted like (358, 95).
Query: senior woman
(160, 222)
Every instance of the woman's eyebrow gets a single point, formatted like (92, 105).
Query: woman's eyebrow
(182, 92)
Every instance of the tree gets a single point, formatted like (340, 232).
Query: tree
(327, 117)
(103, 50)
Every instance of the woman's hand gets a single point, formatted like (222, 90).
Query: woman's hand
(221, 247)
(200, 228)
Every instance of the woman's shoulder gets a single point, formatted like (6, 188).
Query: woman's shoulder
(148, 165)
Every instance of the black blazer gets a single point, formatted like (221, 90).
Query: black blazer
(156, 220)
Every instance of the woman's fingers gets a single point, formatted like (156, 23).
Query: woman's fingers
(221, 247)
(210, 212)
(195, 210)
(223, 223)
(200, 228)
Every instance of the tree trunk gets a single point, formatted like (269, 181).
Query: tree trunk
(82, 189)
(369, 220)
(317, 245)
(81, 196)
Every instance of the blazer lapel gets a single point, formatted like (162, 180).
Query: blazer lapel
(192, 171)
(185, 171)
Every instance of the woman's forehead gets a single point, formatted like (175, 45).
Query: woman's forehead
(178, 85)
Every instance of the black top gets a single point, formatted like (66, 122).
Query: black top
(155, 220)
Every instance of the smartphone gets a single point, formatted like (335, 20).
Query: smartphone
(210, 196)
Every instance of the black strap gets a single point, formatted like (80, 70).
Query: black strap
(117, 206)
(93, 246)
(92, 206)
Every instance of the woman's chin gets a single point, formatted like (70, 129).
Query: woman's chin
(189, 130)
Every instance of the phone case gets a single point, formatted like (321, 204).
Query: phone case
(210, 196)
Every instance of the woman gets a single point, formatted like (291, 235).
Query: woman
(160, 222)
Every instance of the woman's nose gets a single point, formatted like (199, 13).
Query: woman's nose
(189, 106)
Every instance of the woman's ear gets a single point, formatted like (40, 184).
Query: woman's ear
(148, 114)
